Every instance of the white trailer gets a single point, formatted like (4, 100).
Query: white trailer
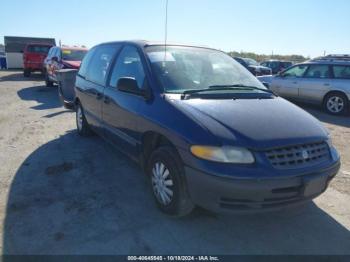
(14, 46)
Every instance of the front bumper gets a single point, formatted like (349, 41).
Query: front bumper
(220, 194)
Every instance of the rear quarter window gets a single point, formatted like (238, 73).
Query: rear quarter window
(341, 72)
(85, 63)
(99, 63)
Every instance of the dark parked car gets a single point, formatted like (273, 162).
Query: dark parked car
(201, 127)
(33, 57)
(276, 65)
(253, 66)
(62, 58)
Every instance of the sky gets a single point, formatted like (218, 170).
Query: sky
(305, 27)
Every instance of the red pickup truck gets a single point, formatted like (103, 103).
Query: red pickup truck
(33, 57)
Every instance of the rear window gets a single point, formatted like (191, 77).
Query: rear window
(38, 49)
(286, 64)
(73, 54)
(341, 72)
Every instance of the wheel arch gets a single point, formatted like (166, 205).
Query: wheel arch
(335, 92)
(152, 140)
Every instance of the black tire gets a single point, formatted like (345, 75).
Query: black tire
(180, 203)
(83, 127)
(26, 72)
(332, 98)
(48, 82)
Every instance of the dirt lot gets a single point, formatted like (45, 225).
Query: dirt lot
(63, 194)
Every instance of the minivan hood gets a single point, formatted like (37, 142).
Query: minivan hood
(255, 123)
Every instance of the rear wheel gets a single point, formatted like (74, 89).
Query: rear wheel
(26, 72)
(336, 104)
(167, 179)
(82, 125)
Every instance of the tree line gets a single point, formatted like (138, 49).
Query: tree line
(262, 57)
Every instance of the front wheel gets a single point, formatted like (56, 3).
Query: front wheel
(336, 104)
(82, 125)
(167, 178)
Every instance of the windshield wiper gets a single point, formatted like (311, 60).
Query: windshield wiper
(210, 89)
(242, 87)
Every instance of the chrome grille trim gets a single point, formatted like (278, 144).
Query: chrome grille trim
(298, 156)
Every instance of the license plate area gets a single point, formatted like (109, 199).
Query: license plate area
(314, 186)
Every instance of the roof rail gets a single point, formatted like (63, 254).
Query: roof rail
(333, 58)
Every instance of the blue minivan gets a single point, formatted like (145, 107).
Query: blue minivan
(206, 132)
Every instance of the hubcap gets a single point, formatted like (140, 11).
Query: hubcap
(79, 118)
(162, 183)
(335, 104)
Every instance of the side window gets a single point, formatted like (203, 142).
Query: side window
(128, 64)
(49, 55)
(286, 65)
(98, 66)
(274, 65)
(296, 71)
(318, 71)
(84, 64)
(59, 53)
(55, 52)
(341, 72)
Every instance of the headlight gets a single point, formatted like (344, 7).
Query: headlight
(225, 154)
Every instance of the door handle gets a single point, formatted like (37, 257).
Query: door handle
(98, 95)
(106, 100)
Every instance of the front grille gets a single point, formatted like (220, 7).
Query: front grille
(298, 156)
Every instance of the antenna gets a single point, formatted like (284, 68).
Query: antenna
(166, 30)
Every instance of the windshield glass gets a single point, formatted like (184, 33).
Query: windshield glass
(180, 69)
(73, 54)
(250, 61)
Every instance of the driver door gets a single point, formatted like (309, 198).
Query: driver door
(121, 109)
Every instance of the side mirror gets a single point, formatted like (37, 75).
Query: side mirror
(54, 58)
(129, 85)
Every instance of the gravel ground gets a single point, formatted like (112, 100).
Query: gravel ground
(63, 194)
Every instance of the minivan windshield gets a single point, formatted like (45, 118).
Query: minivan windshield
(73, 54)
(181, 69)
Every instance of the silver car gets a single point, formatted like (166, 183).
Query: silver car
(324, 81)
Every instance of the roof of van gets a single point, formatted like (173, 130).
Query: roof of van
(145, 43)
